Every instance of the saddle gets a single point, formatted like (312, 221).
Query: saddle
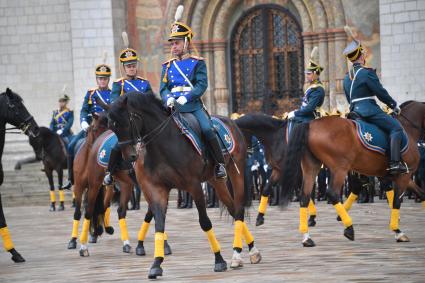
(190, 128)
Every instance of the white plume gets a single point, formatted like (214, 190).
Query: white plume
(105, 56)
(313, 52)
(179, 13)
(125, 39)
(64, 89)
(349, 32)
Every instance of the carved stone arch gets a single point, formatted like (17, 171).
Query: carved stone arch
(306, 20)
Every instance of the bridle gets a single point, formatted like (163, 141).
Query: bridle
(414, 125)
(24, 126)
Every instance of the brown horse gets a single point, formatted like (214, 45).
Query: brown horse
(95, 195)
(333, 142)
(170, 161)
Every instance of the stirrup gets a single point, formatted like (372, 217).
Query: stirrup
(398, 167)
(220, 171)
(108, 180)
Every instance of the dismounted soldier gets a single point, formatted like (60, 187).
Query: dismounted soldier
(314, 94)
(93, 100)
(362, 87)
(183, 82)
(62, 119)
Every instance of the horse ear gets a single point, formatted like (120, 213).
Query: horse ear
(8, 91)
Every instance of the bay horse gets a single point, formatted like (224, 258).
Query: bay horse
(272, 133)
(51, 150)
(333, 141)
(14, 112)
(170, 161)
(95, 179)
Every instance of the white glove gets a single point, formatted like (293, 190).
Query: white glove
(59, 132)
(170, 102)
(84, 126)
(397, 110)
(182, 100)
(291, 115)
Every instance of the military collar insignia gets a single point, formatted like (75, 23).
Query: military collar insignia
(175, 28)
(128, 54)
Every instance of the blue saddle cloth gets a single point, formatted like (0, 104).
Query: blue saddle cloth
(226, 139)
(105, 149)
(373, 138)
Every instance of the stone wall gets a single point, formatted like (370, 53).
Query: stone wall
(403, 48)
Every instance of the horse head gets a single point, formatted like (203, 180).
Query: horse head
(16, 113)
(412, 117)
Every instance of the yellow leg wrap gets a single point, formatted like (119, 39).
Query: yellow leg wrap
(75, 225)
(85, 231)
(423, 204)
(263, 204)
(390, 198)
(346, 219)
(61, 195)
(215, 246)
(123, 228)
(52, 196)
(143, 231)
(237, 242)
(312, 208)
(247, 234)
(73, 195)
(165, 236)
(107, 217)
(349, 201)
(159, 244)
(303, 220)
(395, 213)
(7, 239)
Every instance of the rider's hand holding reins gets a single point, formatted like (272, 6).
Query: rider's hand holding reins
(291, 115)
(84, 126)
(397, 110)
(59, 132)
(182, 100)
(170, 102)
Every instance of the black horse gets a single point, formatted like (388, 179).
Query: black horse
(51, 150)
(12, 111)
(170, 161)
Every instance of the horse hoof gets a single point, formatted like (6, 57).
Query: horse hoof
(84, 252)
(236, 261)
(155, 272)
(126, 249)
(338, 218)
(72, 244)
(254, 255)
(52, 208)
(401, 238)
(220, 266)
(16, 257)
(308, 243)
(61, 207)
(93, 239)
(260, 220)
(109, 230)
(167, 248)
(311, 221)
(140, 250)
(349, 233)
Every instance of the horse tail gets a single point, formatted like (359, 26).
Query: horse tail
(292, 173)
(96, 225)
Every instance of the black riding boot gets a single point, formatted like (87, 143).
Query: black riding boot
(113, 160)
(220, 170)
(70, 162)
(396, 165)
(189, 200)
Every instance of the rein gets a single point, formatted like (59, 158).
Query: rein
(419, 128)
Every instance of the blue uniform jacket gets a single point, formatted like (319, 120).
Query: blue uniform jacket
(313, 98)
(366, 84)
(195, 70)
(62, 120)
(121, 86)
(90, 106)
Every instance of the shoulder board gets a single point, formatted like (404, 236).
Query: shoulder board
(118, 80)
(197, 57)
(92, 90)
(370, 69)
(316, 86)
(141, 78)
(168, 61)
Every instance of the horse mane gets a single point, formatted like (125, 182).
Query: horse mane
(404, 104)
(260, 120)
(46, 132)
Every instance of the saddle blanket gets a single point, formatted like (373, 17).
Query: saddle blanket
(373, 138)
(105, 149)
(225, 136)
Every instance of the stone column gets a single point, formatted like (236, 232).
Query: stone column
(221, 91)
(331, 67)
(338, 99)
(323, 60)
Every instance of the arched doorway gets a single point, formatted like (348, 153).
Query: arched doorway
(267, 61)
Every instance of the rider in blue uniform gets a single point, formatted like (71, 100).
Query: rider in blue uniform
(362, 87)
(183, 82)
(93, 100)
(314, 94)
(62, 119)
(130, 82)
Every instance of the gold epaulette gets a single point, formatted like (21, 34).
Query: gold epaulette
(316, 86)
(118, 80)
(197, 57)
(168, 61)
(142, 78)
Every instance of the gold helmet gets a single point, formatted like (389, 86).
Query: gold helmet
(127, 55)
(354, 49)
(313, 66)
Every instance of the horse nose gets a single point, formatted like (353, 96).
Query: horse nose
(133, 157)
